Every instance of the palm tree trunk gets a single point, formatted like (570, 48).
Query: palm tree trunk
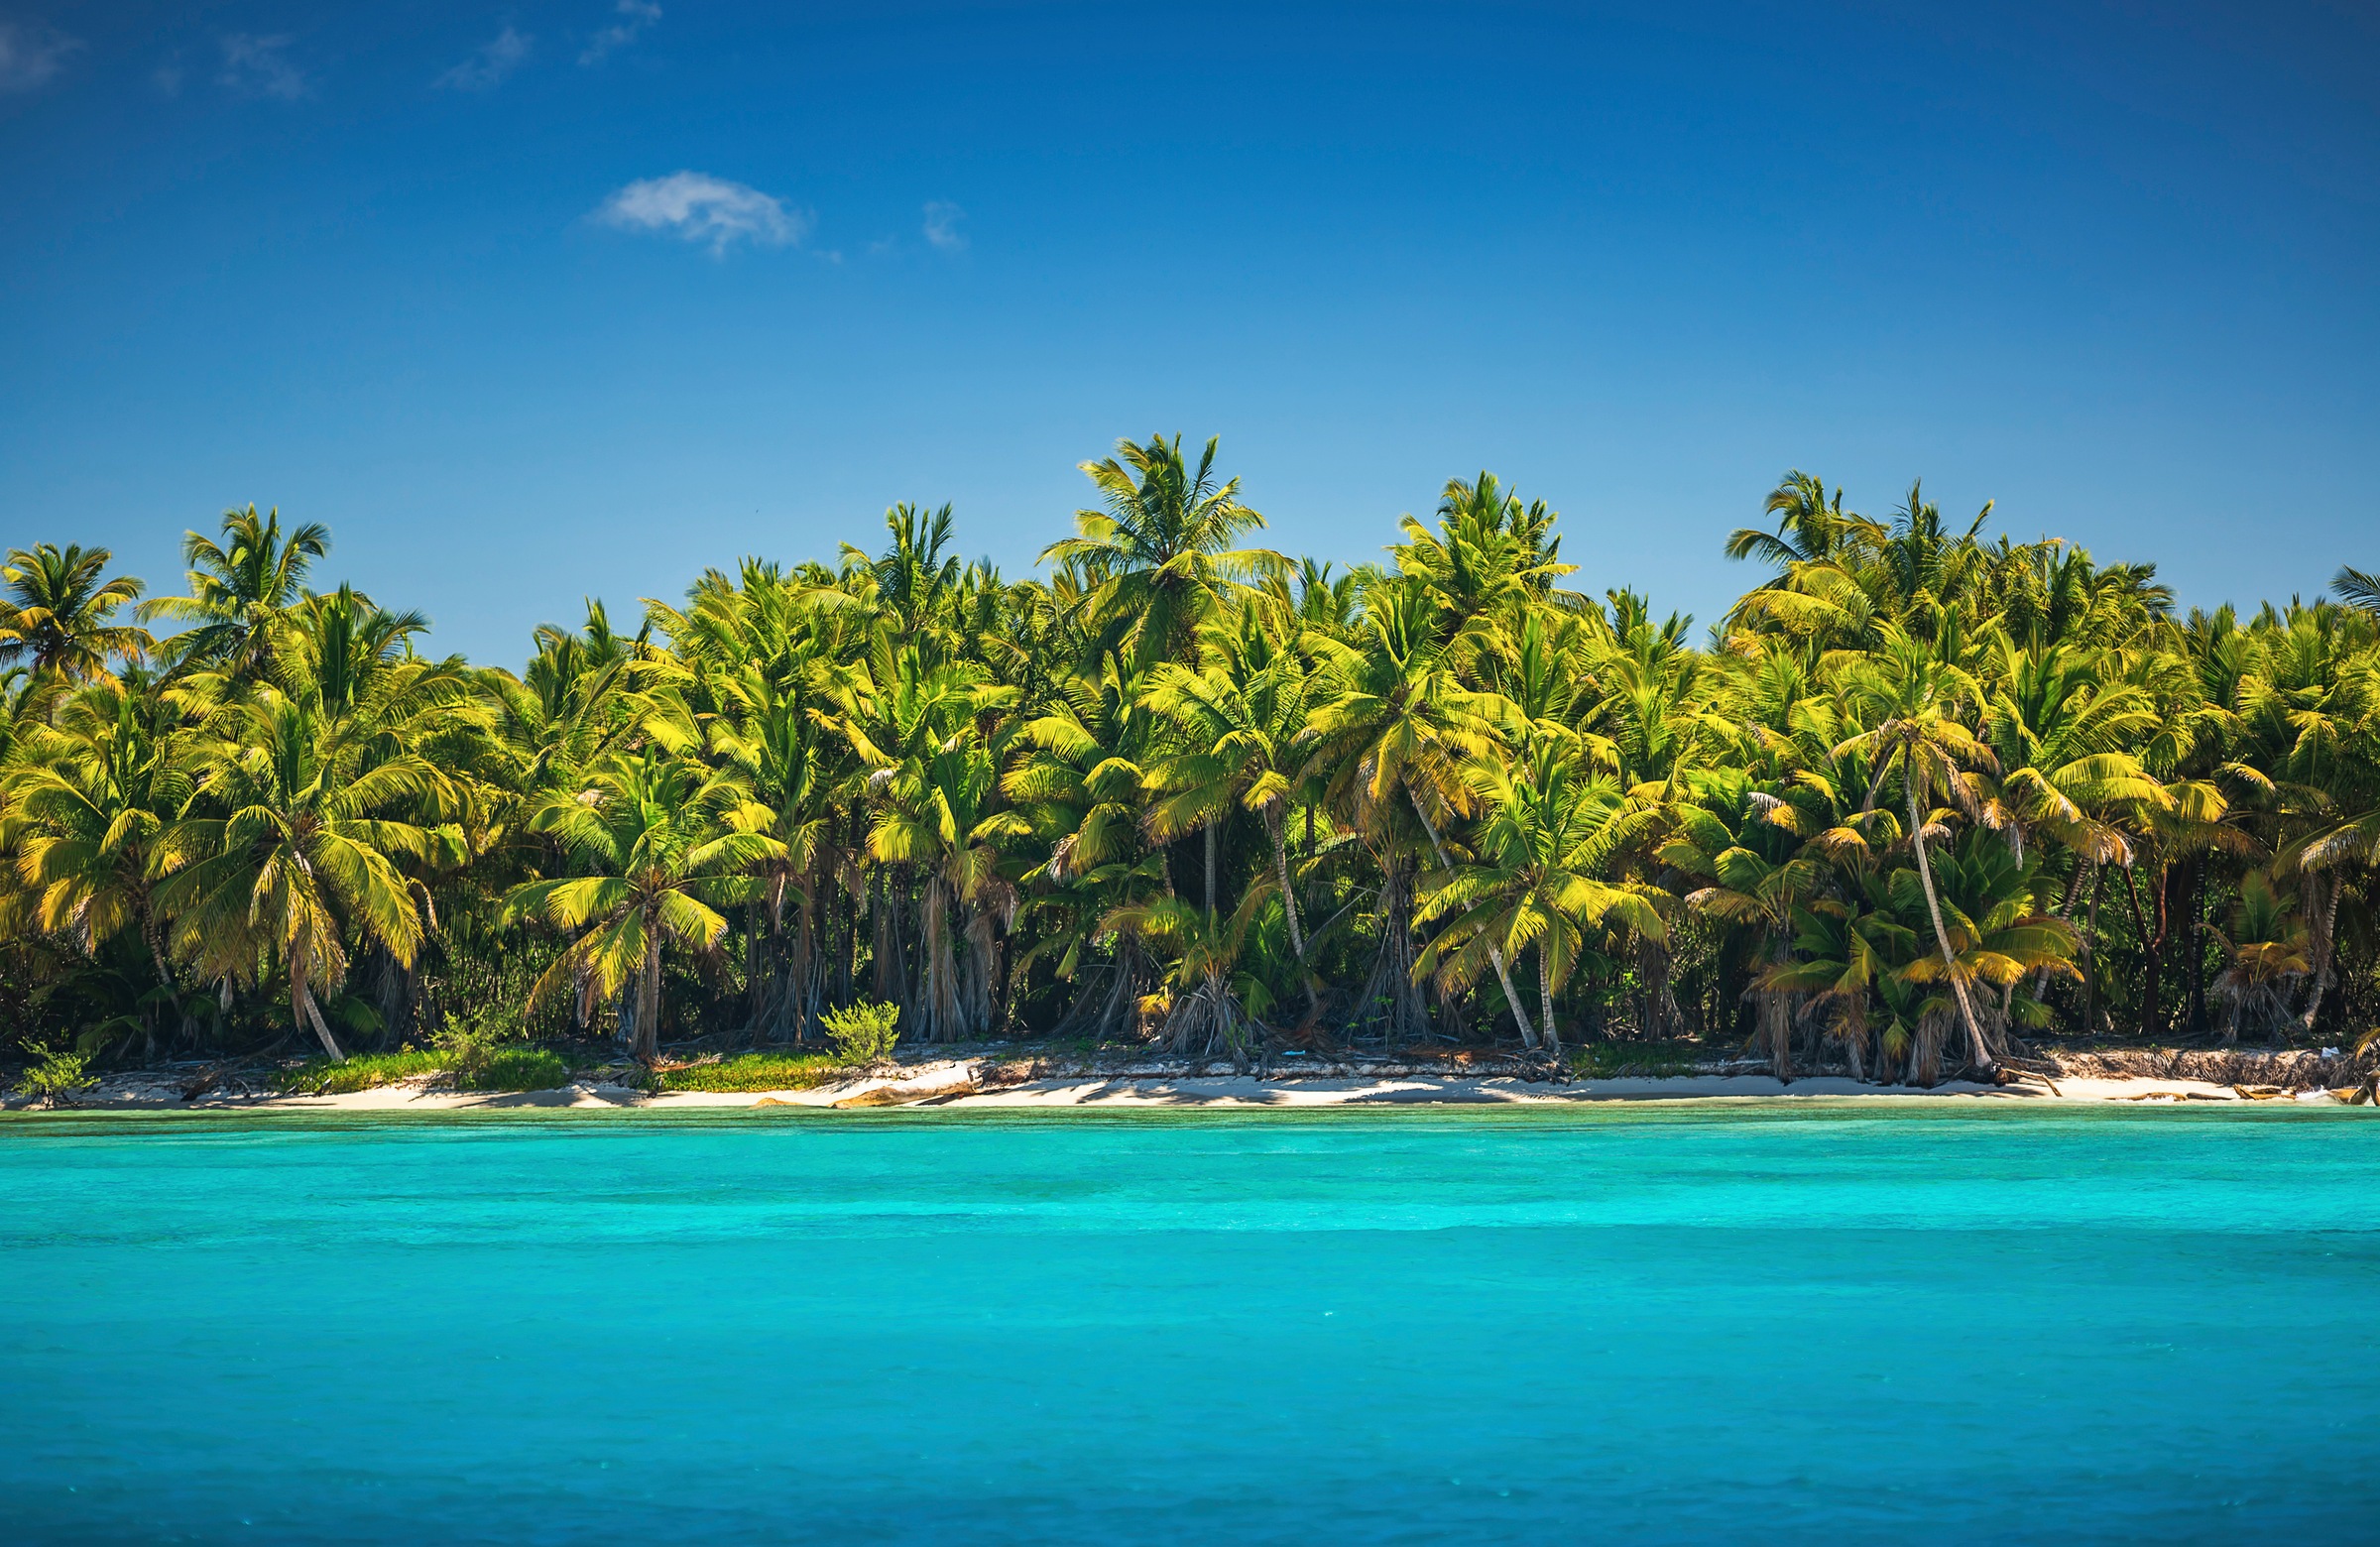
(648, 996)
(2322, 946)
(1280, 865)
(308, 1010)
(1503, 974)
(1210, 834)
(1545, 994)
(1941, 936)
(165, 973)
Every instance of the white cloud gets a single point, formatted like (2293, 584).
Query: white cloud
(488, 64)
(256, 65)
(635, 15)
(703, 208)
(942, 219)
(30, 55)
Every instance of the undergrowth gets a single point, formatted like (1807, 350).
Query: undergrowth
(513, 1068)
(753, 1072)
(1624, 1060)
(362, 1072)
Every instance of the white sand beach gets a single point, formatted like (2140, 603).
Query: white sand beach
(975, 1083)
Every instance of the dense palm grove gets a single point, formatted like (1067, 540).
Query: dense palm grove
(1918, 796)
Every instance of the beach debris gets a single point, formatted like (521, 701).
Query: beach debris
(2260, 1092)
(909, 1093)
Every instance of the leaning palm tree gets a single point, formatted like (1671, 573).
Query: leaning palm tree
(1161, 550)
(56, 613)
(652, 836)
(292, 848)
(1538, 876)
(239, 588)
(1914, 700)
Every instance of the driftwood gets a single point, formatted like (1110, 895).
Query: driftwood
(2285, 1070)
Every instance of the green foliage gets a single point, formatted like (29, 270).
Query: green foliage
(513, 1069)
(362, 1072)
(1919, 793)
(1626, 1060)
(754, 1072)
(55, 1075)
(863, 1033)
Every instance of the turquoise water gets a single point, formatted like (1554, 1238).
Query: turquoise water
(1809, 1324)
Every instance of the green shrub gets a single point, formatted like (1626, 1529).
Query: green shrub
(751, 1072)
(55, 1075)
(864, 1033)
(487, 1053)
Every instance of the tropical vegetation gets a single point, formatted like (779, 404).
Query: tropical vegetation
(1922, 797)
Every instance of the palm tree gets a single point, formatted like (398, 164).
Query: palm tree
(1396, 720)
(1914, 700)
(1238, 721)
(57, 611)
(93, 797)
(655, 839)
(292, 849)
(1161, 550)
(1759, 877)
(1212, 1004)
(937, 818)
(239, 587)
(1538, 876)
(2357, 588)
(1997, 933)
(2264, 951)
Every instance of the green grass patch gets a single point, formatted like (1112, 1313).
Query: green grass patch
(513, 1069)
(496, 1069)
(322, 1077)
(1630, 1060)
(754, 1072)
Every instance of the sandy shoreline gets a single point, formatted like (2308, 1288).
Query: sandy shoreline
(973, 1083)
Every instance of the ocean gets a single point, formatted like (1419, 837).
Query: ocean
(1827, 1322)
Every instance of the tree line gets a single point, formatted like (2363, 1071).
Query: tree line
(1921, 794)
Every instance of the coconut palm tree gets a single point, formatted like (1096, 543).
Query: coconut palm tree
(1537, 875)
(662, 845)
(936, 817)
(2264, 951)
(55, 617)
(292, 849)
(1236, 721)
(1161, 550)
(1913, 701)
(1397, 727)
(239, 587)
(92, 801)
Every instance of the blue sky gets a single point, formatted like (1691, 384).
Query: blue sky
(420, 272)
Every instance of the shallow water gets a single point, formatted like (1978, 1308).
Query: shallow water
(1685, 1324)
